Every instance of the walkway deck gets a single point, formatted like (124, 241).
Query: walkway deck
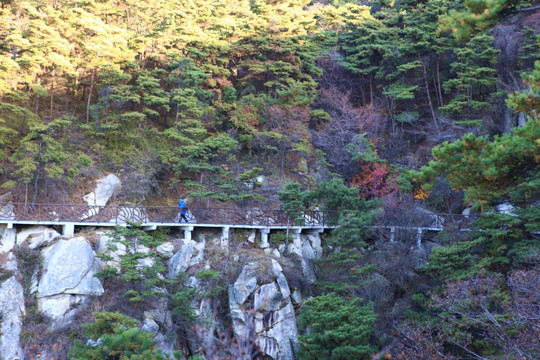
(69, 216)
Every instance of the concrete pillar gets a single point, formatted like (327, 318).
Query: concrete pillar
(264, 238)
(187, 232)
(419, 238)
(225, 238)
(392, 231)
(68, 229)
(9, 225)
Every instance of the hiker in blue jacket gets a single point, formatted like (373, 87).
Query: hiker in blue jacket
(182, 205)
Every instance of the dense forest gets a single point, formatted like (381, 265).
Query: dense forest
(383, 110)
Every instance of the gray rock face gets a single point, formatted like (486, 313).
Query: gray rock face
(106, 241)
(37, 236)
(204, 339)
(506, 209)
(307, 246)
(165, 250)
(12, 309)
(55, 306)
(267, 298)
(69, 267)
(7, 212)
(246, 283)
(274, 321)
(278, 333)
(181, 260)
(68, 278)
(31, 232)
(150, 326)
(105, 189)
(8, 239)
(198, 253)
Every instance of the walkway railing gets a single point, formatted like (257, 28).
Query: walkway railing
(73, 213)
(155, 214)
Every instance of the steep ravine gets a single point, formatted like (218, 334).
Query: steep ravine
(261, 300)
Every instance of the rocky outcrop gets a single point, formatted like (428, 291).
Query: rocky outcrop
(8, 239)
(7, 212)
(308, 248)
(105, 189)
(37, 236)
(165, 250)
(68, 277)
(113, 248)
(260, 299)
(246, 283)
(190, 254)
(12, 310)
(274, 321)
(506, 209)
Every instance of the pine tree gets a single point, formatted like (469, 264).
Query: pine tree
(337, 328)
(117, 337)
(475, 84)
(293, 199)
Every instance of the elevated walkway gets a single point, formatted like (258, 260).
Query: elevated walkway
(70, 216)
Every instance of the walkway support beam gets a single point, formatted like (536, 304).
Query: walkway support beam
(187, 233)
(419, 238)
(264, 237)
(68, 229)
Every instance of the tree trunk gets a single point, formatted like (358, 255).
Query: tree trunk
(90, 96)
(363, 91)
(436, 89)
(439, 80)
(37, 176)
(52, 90)
(37, 104)
(371, 89)
(435, 122)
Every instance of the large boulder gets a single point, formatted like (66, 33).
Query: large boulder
(190, 254)
(115, 249)
(181, 260)
(12, 310)
(8, 238)
(37, 236)
(277, 333)
(506, 209)
(267, 298)
(7, 211)
(165, 250)
(246, 283)
(69, 267)
(106, 187)
(269, 317)
(68, 277)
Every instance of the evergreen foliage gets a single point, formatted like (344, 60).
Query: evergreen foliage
(338, 328)
(116, 337)
(204, 97)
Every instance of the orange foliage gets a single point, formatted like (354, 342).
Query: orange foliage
(376, 180)
(420, 193)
